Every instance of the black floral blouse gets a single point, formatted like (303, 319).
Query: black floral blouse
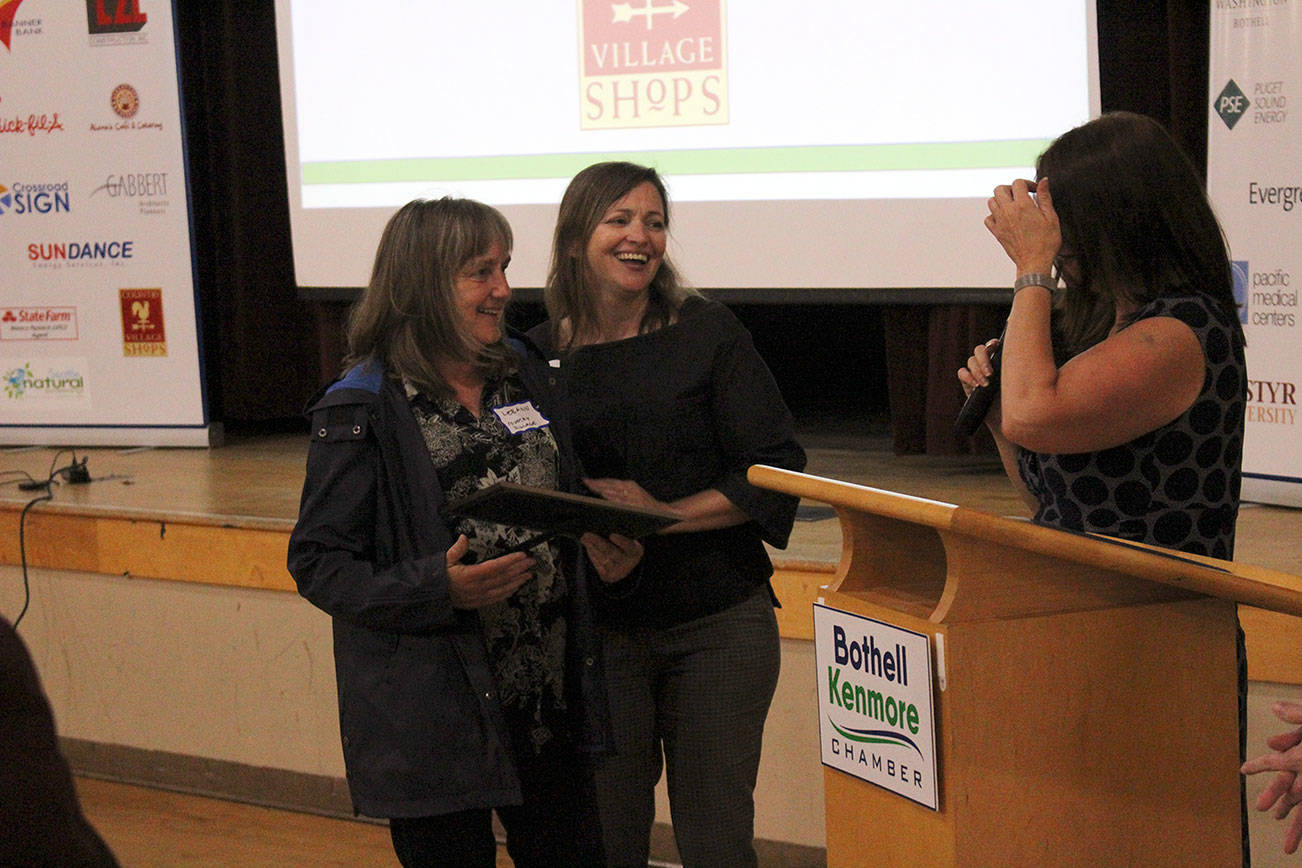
(526, 632)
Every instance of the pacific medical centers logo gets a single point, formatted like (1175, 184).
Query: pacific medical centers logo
(652, 64)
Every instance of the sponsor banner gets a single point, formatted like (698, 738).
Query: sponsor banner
(875, 715)
(1254, 179)
(95, 227)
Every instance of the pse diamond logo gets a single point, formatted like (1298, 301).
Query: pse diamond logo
(1231, 105)
(6, 199)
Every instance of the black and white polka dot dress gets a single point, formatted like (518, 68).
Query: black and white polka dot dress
(1176, 486)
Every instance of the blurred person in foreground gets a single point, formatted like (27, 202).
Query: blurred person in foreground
(41, 821)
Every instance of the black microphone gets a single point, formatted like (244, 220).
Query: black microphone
(979, 400)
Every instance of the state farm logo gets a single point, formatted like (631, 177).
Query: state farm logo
(115, 22)
(38, 324)
(652, 64)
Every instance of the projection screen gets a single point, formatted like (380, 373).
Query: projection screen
(815, 145)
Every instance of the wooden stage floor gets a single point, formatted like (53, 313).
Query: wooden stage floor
(255, 482)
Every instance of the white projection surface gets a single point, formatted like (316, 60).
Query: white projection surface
(820, 144)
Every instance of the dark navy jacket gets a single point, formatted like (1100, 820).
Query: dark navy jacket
(423, 733)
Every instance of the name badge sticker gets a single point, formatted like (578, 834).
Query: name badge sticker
(521, 417)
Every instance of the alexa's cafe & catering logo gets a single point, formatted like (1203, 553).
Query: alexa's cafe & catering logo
(875, 715)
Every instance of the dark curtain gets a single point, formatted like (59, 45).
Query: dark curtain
(267, 350)
(261, 342)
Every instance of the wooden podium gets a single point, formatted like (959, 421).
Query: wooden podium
(1084, 689)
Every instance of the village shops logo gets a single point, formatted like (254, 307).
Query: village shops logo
(23, 383)
(652, 63)
(115, 22)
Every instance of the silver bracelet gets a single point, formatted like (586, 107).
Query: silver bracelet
(1034, 278)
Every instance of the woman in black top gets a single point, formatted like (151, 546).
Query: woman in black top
(672, 404)
(468, 678)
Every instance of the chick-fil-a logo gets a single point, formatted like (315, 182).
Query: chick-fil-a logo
(43, 123)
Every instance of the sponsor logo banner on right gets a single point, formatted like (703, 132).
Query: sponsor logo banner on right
(1254, 178)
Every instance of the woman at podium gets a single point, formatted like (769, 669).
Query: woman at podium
(1121, 392)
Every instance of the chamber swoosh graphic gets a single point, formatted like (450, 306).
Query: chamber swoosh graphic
(875, 736)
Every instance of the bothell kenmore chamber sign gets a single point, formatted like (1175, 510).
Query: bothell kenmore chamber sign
(875, 717)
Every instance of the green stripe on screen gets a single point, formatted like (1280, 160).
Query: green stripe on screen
(719, 161)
